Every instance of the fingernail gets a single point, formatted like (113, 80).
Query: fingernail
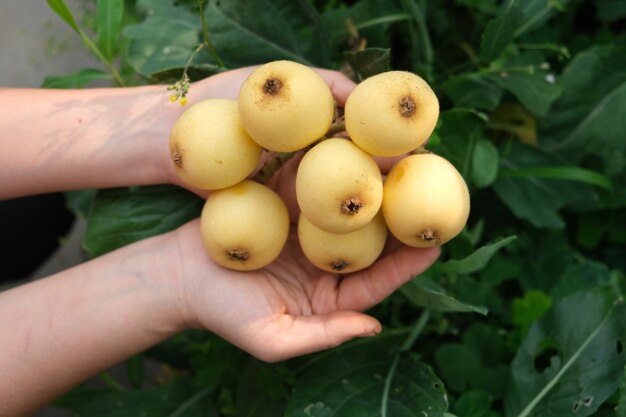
(375, 331)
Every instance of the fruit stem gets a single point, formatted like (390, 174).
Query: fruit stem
(278, 160)
(272, 166)
(238, 254)
(338, 125)
(419, 151)
(428, 235)
(205, 33)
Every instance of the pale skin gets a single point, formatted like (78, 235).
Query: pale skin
(58, 331)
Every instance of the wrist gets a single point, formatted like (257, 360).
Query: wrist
(158, 259)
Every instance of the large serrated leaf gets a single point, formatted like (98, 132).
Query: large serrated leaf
(122, 216)
(362, 381)
(583, 337)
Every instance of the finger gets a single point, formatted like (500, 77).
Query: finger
(340, 85)
(300, 335)
(385, 163)
(367, 288)
(284, 183)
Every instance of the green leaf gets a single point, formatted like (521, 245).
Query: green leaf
(536, 90)
(109, 24)
(421, 49)
(371, 18)
(477, 260)
(589, 119)
(551, 254)
(473, 403)
(176, 399)
(473, 90)
(78, 79)
(423, 292)
(351, 381)
(456, 365)
(165, 40)
(585, 276)
(243, 33)
(485, 341)
(121, 216)
(263, 389)
(528, 309)
(135, 370)
(562, 173)
(485, 161)
(537, 200)
(79, 201)
(500, 32)
(61, 9)
(620, 410)
(460, 130)
(369, 62)
(585, 332)
(610, 10)
(516, 18)
(493, 380)
(246, 32)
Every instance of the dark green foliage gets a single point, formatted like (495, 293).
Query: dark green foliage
(533, 115)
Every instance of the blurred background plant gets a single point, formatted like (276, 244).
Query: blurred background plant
(522, 315)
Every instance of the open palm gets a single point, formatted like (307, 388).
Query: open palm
(290, 307)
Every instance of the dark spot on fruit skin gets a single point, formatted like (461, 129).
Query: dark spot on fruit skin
(339, 265)
(177, 159)
(238, 254)
(428, 235)
(351, 205)
(272, 86)
(407, 106)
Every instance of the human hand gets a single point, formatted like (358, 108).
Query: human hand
(290, 307)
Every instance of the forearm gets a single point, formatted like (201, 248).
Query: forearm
(59, 331)
(53, 140)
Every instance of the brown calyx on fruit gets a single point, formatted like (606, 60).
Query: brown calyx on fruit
(351, 205)
(272, 86)
(238, 254)
(177, 158)
(429, 235)
(407, 106)
(339, 265)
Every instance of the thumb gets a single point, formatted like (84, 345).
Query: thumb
(300, 335)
